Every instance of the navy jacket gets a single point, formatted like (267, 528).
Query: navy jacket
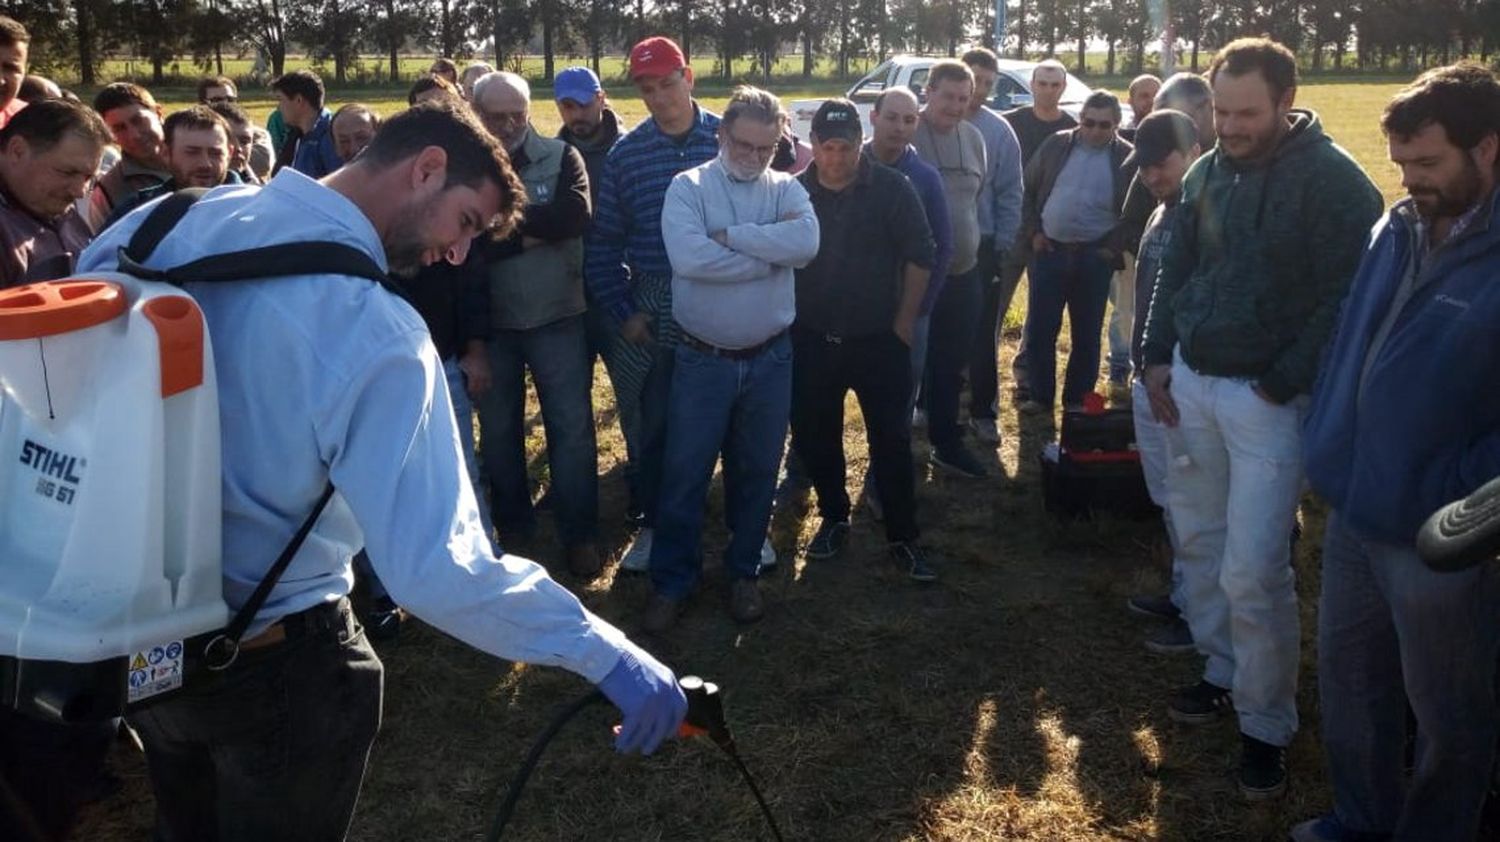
(1425, 429)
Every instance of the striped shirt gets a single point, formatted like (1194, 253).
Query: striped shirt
(626, 238)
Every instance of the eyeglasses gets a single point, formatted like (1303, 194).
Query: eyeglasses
(222, 99)
(501, 116)
(1097, 124)
(740, 147)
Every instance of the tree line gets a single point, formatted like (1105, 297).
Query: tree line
(79, 35)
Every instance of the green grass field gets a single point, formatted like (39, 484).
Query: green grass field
(1011, 701)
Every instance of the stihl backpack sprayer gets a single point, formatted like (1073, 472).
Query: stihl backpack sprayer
(110, 506)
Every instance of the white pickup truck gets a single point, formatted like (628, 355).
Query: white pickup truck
(1012, 89)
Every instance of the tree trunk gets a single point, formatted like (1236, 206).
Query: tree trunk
(85, 23)
(547, 57)
(686, 42)
(392, 42)
(1083, 37)
(1109, 60)
(1021, 31)
(1195, 55)
(843, 39)
(807, 51)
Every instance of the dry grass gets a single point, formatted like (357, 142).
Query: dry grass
(1010, 701)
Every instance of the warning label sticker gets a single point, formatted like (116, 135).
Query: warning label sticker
(154, 671)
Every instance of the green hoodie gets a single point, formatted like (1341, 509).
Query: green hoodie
(1260, 259)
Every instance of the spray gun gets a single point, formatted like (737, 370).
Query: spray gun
(704, 718)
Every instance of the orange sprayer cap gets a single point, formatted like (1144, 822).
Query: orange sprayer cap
(53, 307)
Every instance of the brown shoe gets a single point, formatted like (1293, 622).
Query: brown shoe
(745, 603)
(661, 613)
(584, 561)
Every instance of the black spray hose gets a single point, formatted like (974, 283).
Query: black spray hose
(705, 717)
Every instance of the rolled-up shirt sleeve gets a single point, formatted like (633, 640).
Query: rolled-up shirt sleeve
(392, 449)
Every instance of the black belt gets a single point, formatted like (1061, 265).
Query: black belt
(729, 353)
(1091, 245)
(323, 617)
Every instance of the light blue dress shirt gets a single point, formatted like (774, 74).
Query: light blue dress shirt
(329, 377)
(1000, 199)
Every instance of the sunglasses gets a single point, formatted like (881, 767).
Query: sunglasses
(217, 100)
(1097, 124)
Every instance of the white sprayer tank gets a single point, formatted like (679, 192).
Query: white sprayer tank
(109, 493)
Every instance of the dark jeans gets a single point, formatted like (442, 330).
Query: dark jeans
(878, 369)
(950, 343)
(557, 355)
(1011, 270)
(1075, 278)
(1392, 633)
(277, 748)
(739, 408)
(984, 366)
(48, 769)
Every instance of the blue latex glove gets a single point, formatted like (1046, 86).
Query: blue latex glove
(647, 694)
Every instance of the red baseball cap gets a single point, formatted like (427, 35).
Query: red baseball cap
(656, 56)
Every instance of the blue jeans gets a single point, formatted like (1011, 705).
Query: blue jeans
(463, 416)
(557, 356)
(1073, 278)
(1391, 633)
(739, 408)
(1122, 319)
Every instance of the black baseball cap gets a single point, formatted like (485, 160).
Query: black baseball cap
(1159, 135)
(837, 119)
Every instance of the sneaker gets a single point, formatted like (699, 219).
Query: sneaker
(584, 561)
(661, 613)
(985, 429)
(958, 460)
(1155, 606)
(871, 499)
(1200, 703)
(384, 621)
(919, 418)
(767, 555)
(911, 559)
(1321, 829)
(1031, 407)
(829, 540)
(1172, 639)
(637, 558)
(745, 603)
(1262, 770)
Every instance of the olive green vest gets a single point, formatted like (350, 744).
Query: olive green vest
(544, 283)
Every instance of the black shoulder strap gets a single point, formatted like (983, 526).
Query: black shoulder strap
(225, 646)
(297, 258)
(157, 224)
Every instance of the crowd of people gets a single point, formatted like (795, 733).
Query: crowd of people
(1269, 327)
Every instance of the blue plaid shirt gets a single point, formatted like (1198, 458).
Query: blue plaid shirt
(626, 238)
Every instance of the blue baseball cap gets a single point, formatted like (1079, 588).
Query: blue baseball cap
(576, 83)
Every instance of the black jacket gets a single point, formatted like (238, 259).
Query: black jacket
(868, 232)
